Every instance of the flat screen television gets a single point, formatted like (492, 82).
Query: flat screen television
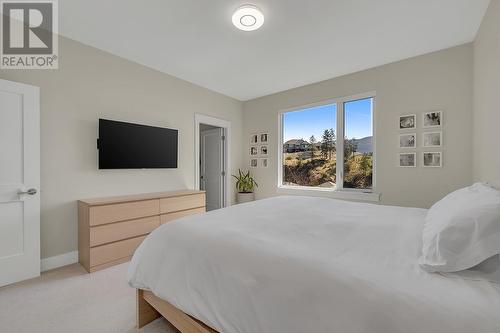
(132, 146)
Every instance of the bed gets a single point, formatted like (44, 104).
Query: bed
(302, 264)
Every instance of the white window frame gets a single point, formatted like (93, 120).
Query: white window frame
(339, 191)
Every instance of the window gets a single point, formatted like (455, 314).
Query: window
(329, 146)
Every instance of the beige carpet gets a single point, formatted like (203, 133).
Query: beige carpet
(68, 300)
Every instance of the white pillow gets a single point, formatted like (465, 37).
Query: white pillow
(462, 229)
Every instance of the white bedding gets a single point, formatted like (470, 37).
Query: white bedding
(303, 264)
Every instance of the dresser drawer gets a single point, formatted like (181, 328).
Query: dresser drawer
(123, 211)
(108, 233)
(177, 215)
(113, 251)
(174, 204)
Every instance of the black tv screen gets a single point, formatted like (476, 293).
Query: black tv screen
(133, 146)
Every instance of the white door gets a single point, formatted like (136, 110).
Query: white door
(212, 167)
(19, 182)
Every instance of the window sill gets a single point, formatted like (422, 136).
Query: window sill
(344, 194)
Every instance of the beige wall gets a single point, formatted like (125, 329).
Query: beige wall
(91, 84)
(486, 97)
(437, 81)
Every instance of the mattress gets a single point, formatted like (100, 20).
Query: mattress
(302, 264)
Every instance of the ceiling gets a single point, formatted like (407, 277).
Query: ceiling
(301, 41)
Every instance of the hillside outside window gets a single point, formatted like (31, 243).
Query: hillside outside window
(329, 146)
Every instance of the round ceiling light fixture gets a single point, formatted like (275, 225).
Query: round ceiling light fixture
(248, 18)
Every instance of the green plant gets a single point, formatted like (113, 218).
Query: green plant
(244, 182)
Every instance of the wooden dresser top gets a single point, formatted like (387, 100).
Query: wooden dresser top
(138, 197)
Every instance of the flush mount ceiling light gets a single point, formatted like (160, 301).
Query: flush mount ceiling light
(248, 18)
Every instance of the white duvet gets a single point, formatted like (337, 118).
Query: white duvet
(303, 264)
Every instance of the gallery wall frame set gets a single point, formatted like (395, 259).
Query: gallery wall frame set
(259, 150)
(430, 139)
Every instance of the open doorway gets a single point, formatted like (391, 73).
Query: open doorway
(212, 136)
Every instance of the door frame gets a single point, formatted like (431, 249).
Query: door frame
(226, 125)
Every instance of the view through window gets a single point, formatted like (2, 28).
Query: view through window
(358, 144)
(310, 141)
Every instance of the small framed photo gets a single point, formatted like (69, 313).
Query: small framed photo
(263, 137)
(264, 150)
(432, 139)
(408, 160)
(254, 162)
(408, 140)
(432, 159)
(254, 139)
(433, 119)
(254, 150)
(408, 122)
(264, 162)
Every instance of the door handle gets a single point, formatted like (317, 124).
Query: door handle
(31, 191)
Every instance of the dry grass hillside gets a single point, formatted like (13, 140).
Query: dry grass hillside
(306, 169)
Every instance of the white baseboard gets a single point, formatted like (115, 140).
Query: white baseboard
(59, 261)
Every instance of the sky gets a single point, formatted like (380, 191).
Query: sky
(303, 123)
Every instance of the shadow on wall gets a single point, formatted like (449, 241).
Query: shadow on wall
(50, 227)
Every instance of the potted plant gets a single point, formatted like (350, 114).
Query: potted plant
(245, 185)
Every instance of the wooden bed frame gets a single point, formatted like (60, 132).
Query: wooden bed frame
(150, 307)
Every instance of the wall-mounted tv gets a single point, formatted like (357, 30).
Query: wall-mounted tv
(132, 146)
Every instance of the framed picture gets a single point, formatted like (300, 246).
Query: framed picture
(408, 140)
(432, 159)
(408, 160)
(263, 137)
(254, 138)
(264, 162)
(433, 119)
(432, 139)
(408, 121)
(254, 150)
(254, 162)
(264, 150)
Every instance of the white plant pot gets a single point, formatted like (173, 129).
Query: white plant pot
(244, 197)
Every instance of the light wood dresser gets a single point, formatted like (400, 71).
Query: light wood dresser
(110, 229)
